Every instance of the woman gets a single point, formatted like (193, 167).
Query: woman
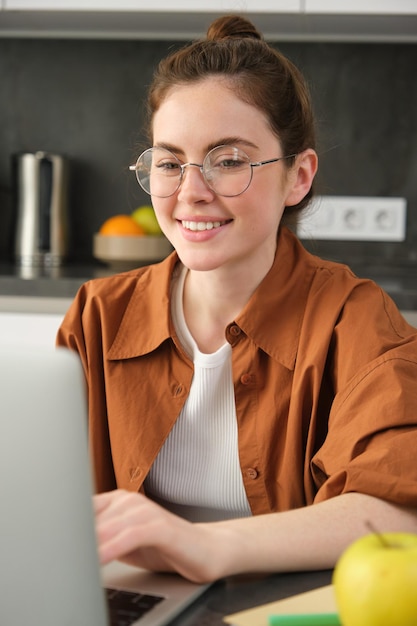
(252, 407)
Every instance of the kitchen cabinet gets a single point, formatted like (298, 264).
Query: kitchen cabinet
(36, 330)
(211, 6)
(31, 321)
(279, 20)
(137, 19)
(358, 7)
(370, 20)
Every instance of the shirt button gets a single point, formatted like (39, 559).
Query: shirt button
(246, 379)
(235, 330)
(252, 473)
(178, 390)
(135, 473)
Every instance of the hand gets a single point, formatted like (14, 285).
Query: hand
(133, 529)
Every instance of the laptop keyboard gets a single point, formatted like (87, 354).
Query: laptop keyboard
(125, 607)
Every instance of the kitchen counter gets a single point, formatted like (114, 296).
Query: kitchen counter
(399, 282)
(52, 289)
(43, 290)
(53, 282)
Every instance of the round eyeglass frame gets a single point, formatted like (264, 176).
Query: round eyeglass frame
(137, 168)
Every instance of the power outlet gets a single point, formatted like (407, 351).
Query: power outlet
(354, 218)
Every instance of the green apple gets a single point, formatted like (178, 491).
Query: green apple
(146, 218)
(375, 581)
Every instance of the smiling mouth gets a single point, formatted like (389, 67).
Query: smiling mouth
(202, 225)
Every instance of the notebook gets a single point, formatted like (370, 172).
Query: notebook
(321, 600)
(49, 570)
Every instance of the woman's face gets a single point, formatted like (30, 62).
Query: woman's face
(190, 121)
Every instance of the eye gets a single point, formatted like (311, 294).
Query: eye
(229, 164)
(168, 166)
(227, 160)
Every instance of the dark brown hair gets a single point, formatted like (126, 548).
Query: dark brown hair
(258, 73)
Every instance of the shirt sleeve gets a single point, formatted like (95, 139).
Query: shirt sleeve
(79, 320)
(372, 438)
(371, 442)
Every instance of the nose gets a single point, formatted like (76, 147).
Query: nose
(193, 185)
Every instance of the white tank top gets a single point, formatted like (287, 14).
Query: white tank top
(197, 473)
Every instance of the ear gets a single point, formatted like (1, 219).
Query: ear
(301, 176)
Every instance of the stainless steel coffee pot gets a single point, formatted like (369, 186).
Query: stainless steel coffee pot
(41, 204)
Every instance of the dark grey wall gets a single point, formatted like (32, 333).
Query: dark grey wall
(85, 99)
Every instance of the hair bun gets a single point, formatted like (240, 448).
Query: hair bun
(232, 26)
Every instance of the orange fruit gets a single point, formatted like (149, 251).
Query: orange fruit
(121, 225)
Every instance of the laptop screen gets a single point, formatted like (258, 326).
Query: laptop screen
(48, 563)
(49, 570)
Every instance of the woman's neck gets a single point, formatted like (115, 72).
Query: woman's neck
(213, 299)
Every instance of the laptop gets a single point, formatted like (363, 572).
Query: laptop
(49, 569)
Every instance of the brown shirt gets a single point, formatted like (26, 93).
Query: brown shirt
(324, 372)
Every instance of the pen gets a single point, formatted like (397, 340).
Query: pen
(305, 619)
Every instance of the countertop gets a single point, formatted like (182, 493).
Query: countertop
(56, 283)
(400, 282)
(50, 282)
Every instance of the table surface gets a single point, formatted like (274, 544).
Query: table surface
(236, 594)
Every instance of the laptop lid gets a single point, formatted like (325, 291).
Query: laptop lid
(49, 571)
(48, 563)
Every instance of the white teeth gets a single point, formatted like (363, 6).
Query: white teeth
(200, 225)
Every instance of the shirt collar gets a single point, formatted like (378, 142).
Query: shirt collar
(146, 323)
(272, 318)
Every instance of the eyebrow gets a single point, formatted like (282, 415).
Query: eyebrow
(223, 141)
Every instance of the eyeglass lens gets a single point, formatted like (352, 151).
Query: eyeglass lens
(226, 169)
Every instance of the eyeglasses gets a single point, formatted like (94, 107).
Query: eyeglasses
(227, 170)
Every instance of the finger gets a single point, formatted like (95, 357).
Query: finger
(101, 501)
